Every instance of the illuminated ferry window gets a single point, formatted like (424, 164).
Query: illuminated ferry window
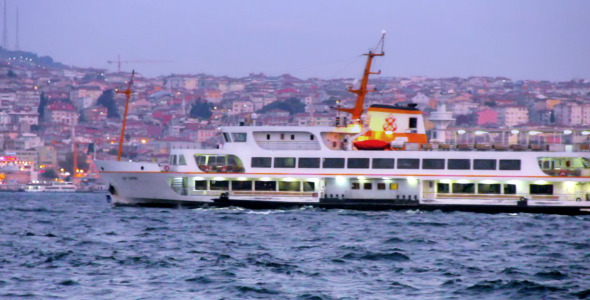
(181, 160)
(541, 189)
(463, 188)
(226, 137)
(261, 162)
(484, 188)
(433, 163)
(484, 164)
(289, 186)
(459, 164)
(510, 189)
(200, 185)
(335, 163)
(408, 163)
(509, 164)
(358, 163)
(383, 163)
(239, 185)
(308, 186)
(381, 186)
(219, 185)
(284, 162)
(309, 162)
(219, 163)
(239, 137)
(442, 188)
(265, 185)
(393, 186)
(355, 186)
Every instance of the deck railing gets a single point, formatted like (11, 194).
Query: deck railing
(503, 147)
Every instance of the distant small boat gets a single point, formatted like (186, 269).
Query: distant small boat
(52, 187)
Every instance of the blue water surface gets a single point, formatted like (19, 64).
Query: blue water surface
(78, 246)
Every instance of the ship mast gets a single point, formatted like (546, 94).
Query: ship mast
(357, 110)
(127, 93)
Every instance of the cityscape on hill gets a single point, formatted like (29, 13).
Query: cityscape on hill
(56, 119)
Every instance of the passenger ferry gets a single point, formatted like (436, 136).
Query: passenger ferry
(381, 159)
(52, 187)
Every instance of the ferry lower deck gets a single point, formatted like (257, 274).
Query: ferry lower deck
(373, 193)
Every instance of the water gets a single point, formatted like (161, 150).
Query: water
(77, 246)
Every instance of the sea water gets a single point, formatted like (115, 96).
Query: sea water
(79, 246)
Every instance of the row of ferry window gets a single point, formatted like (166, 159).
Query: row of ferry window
(493, 188)
(256, 185)
(242, 137)
(386, 163)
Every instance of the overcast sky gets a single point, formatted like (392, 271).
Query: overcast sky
(519, 39)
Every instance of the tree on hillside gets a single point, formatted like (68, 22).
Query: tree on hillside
(466, 120)
(68, 163)
(291, 105)
(330, 101)
(42, 103)
(107, 99)
(50, 174)
(201, 109)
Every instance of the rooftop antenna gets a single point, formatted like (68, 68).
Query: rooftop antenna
(5, 36)
(17, 46)
(127, 93)
(357, 110)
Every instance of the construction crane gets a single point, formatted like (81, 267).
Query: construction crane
(119, 62)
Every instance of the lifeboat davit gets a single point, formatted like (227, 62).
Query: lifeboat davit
(371, 145)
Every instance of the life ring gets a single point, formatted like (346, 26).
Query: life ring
(562, 172)
(224, 169)
(167, 168)
(578, 199)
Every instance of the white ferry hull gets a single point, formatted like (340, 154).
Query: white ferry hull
(145, 184)
(137, 183)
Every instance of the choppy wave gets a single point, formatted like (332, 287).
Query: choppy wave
(77, 246)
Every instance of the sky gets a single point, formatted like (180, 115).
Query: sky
(518, 39)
